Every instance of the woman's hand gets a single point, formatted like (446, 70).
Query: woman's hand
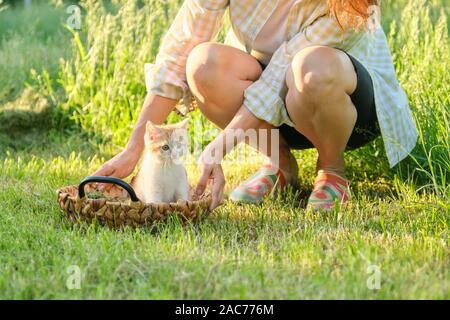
(214, 173)
(120, 166)
(213, 154)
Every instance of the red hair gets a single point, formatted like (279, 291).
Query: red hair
(352, 13)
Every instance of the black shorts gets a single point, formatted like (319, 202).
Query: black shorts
(366, 127)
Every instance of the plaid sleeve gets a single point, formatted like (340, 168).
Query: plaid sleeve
(265, 97)
(197, 21)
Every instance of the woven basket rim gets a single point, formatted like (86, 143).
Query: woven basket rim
(117, 211)
(64, 191)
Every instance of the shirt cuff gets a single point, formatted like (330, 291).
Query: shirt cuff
(158, 81)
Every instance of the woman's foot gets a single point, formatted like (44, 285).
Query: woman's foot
(267, 179)
(258, 186)
(329, 189)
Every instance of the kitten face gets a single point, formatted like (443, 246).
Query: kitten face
(167, 143)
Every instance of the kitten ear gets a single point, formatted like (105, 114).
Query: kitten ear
(151, 131)
(150, 126)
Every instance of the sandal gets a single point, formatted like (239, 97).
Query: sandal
(258, 186)
(329, 189)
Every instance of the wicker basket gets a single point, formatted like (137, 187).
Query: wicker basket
(118, 205)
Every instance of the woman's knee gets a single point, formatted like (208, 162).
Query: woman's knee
(204, 64)
(314, 71)
(318, 75)
(212, 66)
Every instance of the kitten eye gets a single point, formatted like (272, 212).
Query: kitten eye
(165, 147)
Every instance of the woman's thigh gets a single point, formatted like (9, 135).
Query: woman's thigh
(218, 75)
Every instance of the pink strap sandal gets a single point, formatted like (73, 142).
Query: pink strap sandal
(329, 189)
(258, 186)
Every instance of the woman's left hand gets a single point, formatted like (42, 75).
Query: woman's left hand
(210, 160)
(214, 173)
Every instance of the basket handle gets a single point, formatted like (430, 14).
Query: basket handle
(116, 181)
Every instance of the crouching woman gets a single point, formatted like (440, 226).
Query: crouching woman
(318, 71)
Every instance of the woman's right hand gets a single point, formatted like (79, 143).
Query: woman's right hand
(120, 166)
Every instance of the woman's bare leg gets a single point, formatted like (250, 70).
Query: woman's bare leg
(218, 75)
(320, 82)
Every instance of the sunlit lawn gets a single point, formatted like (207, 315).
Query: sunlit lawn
(392, 242)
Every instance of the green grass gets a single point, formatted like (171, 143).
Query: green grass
(398, 220)
(40, 44)
(276, 250)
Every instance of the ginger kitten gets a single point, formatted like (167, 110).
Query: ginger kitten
(162, 177)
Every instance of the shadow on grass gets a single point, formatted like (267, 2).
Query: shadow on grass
(29, 126)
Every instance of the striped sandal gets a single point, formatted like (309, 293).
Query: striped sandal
(329, 189)
(258, 186)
